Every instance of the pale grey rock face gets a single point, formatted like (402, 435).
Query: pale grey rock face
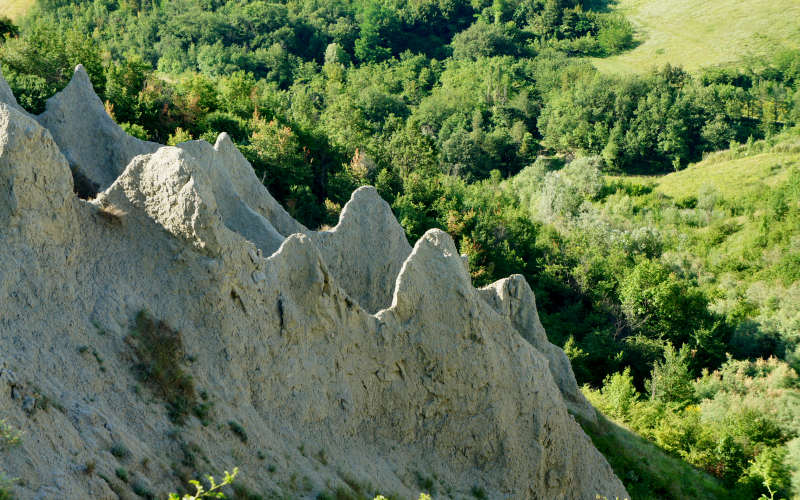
(34, 178)
(513, 298)
(366, 249)
(97, 149)
(449, 382)
(224, 159)
(6, 96)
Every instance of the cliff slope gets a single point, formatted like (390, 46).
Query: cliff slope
(181, 322)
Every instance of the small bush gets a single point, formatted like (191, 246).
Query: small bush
(135, 130)
(615, 34)
(120, 451)
(237, 429)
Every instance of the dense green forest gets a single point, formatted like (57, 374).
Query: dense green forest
(679, 310)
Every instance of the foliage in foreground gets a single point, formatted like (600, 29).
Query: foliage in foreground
(738, 423)
(213, 490)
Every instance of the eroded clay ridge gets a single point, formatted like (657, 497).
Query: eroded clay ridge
(325, 360)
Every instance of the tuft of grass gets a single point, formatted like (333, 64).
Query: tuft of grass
(237, 429)
(709, 33)
(122, 474)
(9, 436)
(110, 214)
(359, 489)
(120, 451)
(141, 489)
(340, 493)
(241, 492)
(160, 354)
(478, 492)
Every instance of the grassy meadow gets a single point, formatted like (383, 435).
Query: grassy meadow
(14, 9)
(700, 34)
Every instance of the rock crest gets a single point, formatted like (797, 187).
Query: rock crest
(6, 96)
(97, 149)
(513, 298)
(340, 357)
(366, 249)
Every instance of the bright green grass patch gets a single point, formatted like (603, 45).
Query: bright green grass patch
(646, 470)
(696, 34)
(743, 170)
(14, 9)
(731, 178)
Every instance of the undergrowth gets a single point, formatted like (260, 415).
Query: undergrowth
(160, 355)
(645, 470)
(9, 436)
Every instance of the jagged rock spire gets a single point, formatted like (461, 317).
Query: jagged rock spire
(366, 249)
(98, 150)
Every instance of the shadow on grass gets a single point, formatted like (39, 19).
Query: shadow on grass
(600, 5)
(646, 470)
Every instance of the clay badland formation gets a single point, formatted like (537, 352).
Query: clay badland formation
(181, 322)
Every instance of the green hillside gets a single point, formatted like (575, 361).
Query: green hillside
(697, 34)
(737, 172)
(720, 237)
(483, 118)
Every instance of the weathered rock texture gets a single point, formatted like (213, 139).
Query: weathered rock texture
(97, 149)
(444, 385)
(366, 249)
(513, 298)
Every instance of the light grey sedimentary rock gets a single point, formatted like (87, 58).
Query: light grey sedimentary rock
(513, 298)
(210, 205)
(6, 96)
(446, 382)
(366, 249)
(97, 149)
(35, 182)
(224, 159)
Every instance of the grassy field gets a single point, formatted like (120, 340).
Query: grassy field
(696, 34)
(738, 172)
(733, 173)
(14, 8)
